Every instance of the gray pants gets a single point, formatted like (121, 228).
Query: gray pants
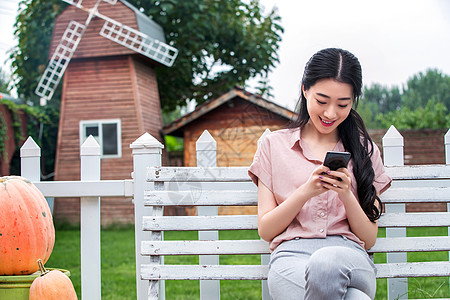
(321, 269)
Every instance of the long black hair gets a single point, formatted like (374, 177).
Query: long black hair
(343, 66)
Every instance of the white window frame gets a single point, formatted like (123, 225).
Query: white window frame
(99, 123)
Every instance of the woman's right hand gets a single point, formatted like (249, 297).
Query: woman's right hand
(314, 186)
(274, 218)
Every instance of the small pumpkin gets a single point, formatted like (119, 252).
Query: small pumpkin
(52, 285)
(26, 227)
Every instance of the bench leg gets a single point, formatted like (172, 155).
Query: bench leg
(397, 287)
(265, 259)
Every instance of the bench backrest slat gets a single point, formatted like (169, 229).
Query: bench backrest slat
(240, 174)
(245, 197)
(419, 172)
(419, 269)
(198, 174)
(202, 272)
(432, 219)
(243, 222)
(183, 223)
(416, 195)
(236, 247)
(222, 247)
(411, 244)
(259, 272)
(201, 198)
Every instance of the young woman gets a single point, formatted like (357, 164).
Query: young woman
(320, 222)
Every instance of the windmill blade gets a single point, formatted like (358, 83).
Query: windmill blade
(60, 60)
(139, 42)
(110, 1)
(77, 3)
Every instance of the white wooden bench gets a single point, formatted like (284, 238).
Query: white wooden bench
(161, 198)
(231, 186)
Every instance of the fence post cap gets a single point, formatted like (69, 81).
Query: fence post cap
(206, 142)
(90, 147)
(265, 133)
(393, 138)
(447, 138)
(30, 148)
(145, 143)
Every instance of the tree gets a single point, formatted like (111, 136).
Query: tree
(221, 44)
(378, 99)
(432, 116)
(385, 98)
(368, 112)
(423, 103)
(423, 87)
(33, 28)
(4, 82)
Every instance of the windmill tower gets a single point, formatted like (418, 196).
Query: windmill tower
(107, 51)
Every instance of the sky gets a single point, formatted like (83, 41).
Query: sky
(8, 12)
(393, 39)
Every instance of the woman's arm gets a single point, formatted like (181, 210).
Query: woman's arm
(360, 224)
(273, 219)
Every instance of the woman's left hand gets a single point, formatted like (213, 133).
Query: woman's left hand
(339, 181)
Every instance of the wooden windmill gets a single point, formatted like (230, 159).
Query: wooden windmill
(113, 30)
(107, 51)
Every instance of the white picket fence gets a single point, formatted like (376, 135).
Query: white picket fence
(147, 151)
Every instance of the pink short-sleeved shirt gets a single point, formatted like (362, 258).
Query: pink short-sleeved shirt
(283, 162)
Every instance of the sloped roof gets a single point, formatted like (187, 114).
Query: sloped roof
(146, 24)
(177, 125)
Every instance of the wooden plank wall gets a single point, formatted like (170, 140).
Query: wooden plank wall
(147, 98)
(236, 126)
(422, 147)
(122, 88)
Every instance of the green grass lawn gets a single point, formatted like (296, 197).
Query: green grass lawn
(118, 266)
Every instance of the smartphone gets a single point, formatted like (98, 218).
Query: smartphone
(335, 160)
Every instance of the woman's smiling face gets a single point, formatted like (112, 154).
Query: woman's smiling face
(329, 102)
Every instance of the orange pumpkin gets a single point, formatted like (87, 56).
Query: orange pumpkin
(52, 285)
(26, 226)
